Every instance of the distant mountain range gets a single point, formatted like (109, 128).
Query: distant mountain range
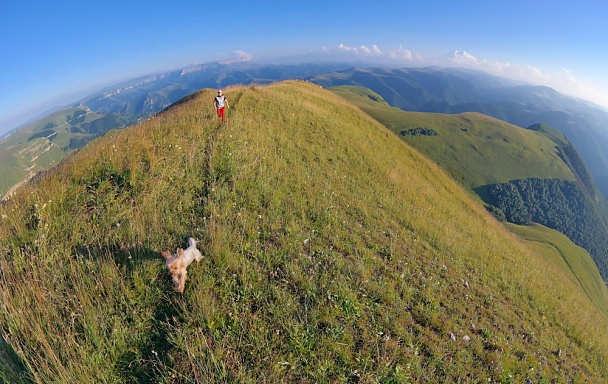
(150, 94)
(430, 89)
(26, 151)
(449, 90)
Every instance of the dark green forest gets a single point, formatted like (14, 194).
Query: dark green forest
(557, 204)
(419, 131)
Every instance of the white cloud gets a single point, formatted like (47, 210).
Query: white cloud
(401, 54)
(567, 77)
(243, 56)
(346, 48)
(564, 81)
(463, 58)
(239, 57)
(567, 82)
(363, 50)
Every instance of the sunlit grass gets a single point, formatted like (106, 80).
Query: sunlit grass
(333, 253)
(475, 149)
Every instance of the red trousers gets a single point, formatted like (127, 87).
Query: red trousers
(221, 113)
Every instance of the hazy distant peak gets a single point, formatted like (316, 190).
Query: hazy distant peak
(457, 59)
(462, 57)
(195, 68)
(138, 83)
(241, 57)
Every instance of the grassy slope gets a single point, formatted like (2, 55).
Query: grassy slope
(490, 151)
(559, 249)
(476, 149)
(326, 260)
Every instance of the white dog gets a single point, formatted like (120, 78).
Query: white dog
(177, 263)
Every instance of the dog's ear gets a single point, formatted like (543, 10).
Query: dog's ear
(180, 252)
(167, 255)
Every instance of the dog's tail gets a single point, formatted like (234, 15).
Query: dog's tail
(192, 242)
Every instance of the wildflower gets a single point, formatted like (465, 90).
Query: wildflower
(118, 224)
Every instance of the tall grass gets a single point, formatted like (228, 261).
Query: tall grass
(333, 253)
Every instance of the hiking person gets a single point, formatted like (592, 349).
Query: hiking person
(219, 103)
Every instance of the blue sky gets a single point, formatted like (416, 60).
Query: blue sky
(54, 53)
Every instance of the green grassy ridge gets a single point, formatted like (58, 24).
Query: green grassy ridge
(475, 149)
(326, 260)
(561, 250)
(478, 150)
(445, 90)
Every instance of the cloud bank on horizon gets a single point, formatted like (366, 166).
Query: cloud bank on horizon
(563, 81)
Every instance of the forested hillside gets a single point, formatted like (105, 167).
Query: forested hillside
(556, 204)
